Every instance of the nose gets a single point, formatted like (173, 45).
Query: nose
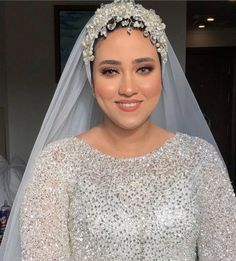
(127, 85)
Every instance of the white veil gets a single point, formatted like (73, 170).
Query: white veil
(73, 110)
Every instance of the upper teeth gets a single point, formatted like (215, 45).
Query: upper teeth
(130, 104)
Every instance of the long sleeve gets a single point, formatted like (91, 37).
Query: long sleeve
(44, 211)
(217, 202)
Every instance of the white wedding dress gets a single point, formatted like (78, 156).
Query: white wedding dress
(174, 203)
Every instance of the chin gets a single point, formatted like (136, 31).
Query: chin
(128, 125)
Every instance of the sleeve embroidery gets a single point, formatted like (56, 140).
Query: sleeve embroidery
(217, 238)
(44, 212)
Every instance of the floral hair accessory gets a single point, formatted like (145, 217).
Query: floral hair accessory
(130, 15)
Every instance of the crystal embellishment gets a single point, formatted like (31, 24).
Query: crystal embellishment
(131, 15)
(172, 204)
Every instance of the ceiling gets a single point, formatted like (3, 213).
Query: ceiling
(224, 13)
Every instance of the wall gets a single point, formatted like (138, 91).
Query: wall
(29, 69)
(211, 38)
(3, 58)
(3, 92)
(30, 72)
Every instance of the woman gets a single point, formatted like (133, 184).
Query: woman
(132, 187)
(127, 89)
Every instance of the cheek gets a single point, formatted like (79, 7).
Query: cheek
(152, 87)
(104, 88)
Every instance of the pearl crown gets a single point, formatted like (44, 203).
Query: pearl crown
(130, 15)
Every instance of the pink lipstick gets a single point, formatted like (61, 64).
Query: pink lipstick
(128, 104)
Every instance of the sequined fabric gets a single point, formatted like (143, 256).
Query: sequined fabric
(172, 204)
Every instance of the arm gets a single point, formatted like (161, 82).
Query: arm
(44, 210)
(217, 238)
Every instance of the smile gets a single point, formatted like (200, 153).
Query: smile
(128, 106)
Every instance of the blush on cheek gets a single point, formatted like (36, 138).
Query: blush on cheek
(151, 88)
(104, 89)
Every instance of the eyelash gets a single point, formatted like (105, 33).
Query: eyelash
(104, 71)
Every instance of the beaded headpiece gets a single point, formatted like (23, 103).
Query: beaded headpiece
(129, 14)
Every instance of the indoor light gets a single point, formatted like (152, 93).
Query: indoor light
(210, 19)
(201, 26)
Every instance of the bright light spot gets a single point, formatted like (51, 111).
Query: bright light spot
(201, 26)
(210, 19)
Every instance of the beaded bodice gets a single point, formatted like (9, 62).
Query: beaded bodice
(174, 203)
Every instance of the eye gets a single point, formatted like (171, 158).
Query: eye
(145, 69)
(109, 71)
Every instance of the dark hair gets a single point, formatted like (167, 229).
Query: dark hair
(118, 25)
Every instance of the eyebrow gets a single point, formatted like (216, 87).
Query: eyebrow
(138, 60)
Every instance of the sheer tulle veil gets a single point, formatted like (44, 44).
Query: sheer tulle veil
(74, 109)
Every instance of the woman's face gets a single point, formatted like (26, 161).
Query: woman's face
(126, 77)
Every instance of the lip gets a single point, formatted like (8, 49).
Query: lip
(128, 100)
(130, 108)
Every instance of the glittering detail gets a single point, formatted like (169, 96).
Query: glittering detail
(171, 204)
(130, 15)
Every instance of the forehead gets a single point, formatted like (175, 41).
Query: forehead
(120, 44)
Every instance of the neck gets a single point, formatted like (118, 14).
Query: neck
(126, 140)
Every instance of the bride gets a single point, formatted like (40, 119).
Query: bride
(125, 166)
(127, 89)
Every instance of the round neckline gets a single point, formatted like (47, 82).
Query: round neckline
(140, 157)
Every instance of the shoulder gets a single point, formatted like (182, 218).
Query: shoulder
(195, 143)
(58, 150)
(55, 162)
(56, 145)
(210, 171)
(196, 149)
